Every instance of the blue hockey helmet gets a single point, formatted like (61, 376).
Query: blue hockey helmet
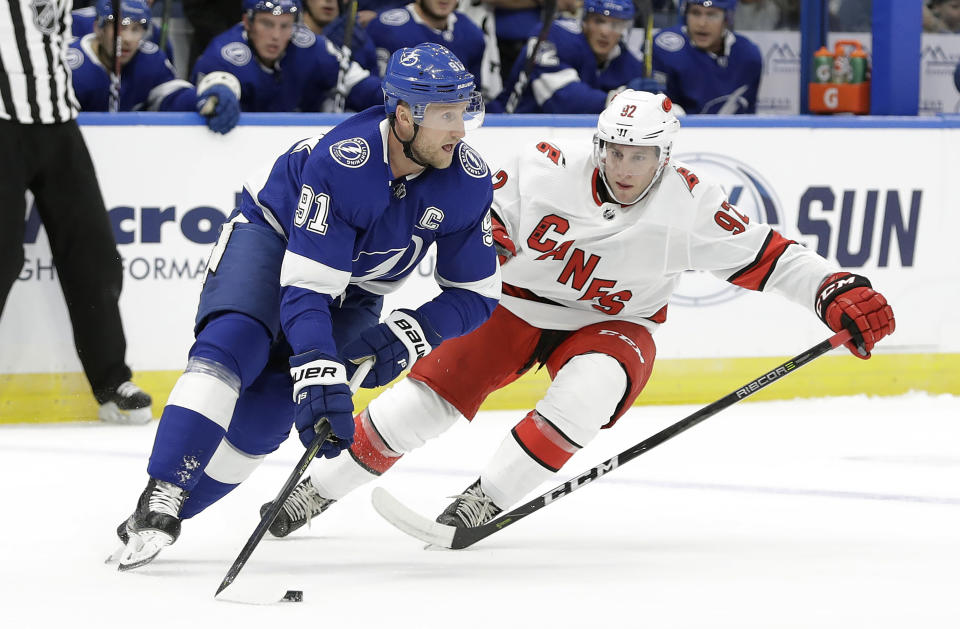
(131, 11)
(273, 7)
(426, 74)
(729, 6)
(618, 9)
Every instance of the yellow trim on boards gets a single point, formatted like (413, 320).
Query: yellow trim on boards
(65, 397)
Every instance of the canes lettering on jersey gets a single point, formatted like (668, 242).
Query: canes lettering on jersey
(579, 267)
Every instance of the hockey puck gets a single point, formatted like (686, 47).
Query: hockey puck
(293, 596)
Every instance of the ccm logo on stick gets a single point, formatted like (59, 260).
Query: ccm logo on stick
(580, 481)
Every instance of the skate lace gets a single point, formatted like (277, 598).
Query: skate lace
(128, 389)
(166, 498)
(474, 507)
(304, 503)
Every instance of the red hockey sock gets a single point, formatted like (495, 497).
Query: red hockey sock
(543, 441)
(369, 449)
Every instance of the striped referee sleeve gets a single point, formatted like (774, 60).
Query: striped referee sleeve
(35, 82)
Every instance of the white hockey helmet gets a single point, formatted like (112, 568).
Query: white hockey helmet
(636, 119)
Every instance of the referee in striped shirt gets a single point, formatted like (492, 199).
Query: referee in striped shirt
(42, 150)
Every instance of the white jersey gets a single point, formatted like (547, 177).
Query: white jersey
(581, 261)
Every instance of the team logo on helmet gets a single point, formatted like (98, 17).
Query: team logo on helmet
(352, 153)
(670, 41)
(395, 17)
(410, 58)
(753, 196)
(236, 53)
(472, 162)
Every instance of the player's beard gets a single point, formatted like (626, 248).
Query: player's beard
(437, 157)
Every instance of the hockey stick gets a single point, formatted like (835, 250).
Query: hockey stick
(456, 538)
(322, 431)
(340, 96)
(548, 16)
(113, 105)
(165, 26)
(648, 43)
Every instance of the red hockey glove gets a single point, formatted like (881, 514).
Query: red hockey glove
(846, 301)
(501, 240)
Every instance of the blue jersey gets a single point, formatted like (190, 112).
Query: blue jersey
(704, 83)
(379, 6)
(402, 28)
(84, 19)
(514, 24)
(147, 81)
(566, 78)
(299, 81)
(362, 49)
(347, 223)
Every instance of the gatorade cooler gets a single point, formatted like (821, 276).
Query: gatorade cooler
(841, 80)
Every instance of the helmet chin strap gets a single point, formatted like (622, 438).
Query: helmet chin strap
(407, 144)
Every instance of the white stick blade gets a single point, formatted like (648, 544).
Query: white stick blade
(409, 521)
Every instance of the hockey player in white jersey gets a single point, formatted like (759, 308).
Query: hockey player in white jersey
(592, 247)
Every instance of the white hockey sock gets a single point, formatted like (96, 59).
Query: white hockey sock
(335, 478)
(511, 474)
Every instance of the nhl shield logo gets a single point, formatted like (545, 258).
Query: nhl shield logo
(352, 153)
(44, 15)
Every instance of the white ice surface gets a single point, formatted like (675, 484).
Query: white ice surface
(840, 512)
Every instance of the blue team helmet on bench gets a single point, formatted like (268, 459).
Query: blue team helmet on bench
(728, 6)
(429, 74)
(273, 7)
(618, 9)
(132, 11)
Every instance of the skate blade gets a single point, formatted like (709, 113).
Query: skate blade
(115, 555)
(142, 548)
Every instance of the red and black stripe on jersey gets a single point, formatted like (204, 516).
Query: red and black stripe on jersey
(754, 276)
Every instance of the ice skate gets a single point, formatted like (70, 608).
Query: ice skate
(302, 506)
(153, 526)
(471, 508)
(128, 404)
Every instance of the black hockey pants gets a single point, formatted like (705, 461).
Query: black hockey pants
(51, 160)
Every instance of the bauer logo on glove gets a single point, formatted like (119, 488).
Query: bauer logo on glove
(396, 344)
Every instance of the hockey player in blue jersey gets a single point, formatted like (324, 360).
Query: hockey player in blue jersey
(328, 18)
(294, 288)
(147, 80)
(580, 67)
(83, 20)
(281, 64)
(707, 68)
(429, 21)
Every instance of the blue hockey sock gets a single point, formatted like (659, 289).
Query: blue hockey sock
(205, 493)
